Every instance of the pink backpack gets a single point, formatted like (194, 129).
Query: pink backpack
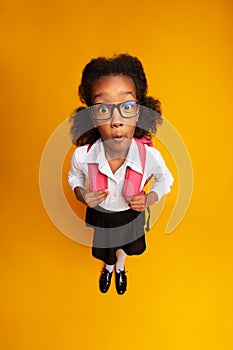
(133, 179)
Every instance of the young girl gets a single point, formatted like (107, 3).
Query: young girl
(108, 133)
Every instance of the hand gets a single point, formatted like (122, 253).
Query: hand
(138, 203)
(143, 201)
(94, 198)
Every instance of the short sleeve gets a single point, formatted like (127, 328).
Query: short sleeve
(163, 178)
(76, 176)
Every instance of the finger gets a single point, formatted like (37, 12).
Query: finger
(94, 202)
(137, 206)
(95, 198)
(138, 203)
(91, 195)
(103, 192)
(138, 209)
(103, 196)
(97, 194)
(138, 198)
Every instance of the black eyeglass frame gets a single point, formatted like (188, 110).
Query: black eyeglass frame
(112, 106)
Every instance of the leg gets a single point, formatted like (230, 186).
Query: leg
(120, 264)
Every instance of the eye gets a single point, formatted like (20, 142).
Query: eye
(103, 109)
(128, 105)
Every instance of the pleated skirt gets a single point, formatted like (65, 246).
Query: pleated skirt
(116, 230)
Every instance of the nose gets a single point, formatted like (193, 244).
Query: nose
(116, 119)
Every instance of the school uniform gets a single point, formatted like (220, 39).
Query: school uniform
(115, 224)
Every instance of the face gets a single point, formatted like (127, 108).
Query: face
(116, 132)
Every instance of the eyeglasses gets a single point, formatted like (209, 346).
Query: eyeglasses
(104, 111)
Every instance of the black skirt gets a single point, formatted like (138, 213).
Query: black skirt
(116, 230)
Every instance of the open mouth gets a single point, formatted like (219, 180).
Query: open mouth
(119, 138)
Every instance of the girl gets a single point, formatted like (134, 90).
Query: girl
(112, 134)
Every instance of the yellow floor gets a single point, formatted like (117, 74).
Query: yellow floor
(179, 293)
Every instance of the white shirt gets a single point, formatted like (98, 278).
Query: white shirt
(154, 166)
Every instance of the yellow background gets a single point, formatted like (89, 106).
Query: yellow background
(180, 291)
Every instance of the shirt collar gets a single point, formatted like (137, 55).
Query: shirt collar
(133, 158)
(96, 154)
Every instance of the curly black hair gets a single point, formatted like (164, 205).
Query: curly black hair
(82, 129)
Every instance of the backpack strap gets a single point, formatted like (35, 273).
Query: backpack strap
(97, 180)
(133, 179)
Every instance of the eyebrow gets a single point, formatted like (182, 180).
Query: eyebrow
(103, 94)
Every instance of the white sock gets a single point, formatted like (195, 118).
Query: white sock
(109, 267)
(120, 264)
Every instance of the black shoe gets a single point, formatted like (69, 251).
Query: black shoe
(105, 280)
(121, 282)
